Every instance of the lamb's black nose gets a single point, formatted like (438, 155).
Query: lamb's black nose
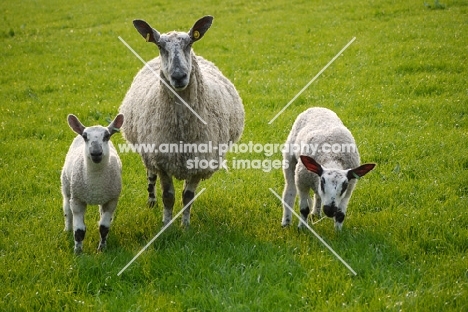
(95, 152)
(329, 210)
(96, 157)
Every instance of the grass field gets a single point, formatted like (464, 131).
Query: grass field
(401, 88)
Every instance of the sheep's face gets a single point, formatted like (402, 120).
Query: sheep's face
(175, 49)
(176, 61)
(96, 143)
(334, 187)
(332, 190)
(96, 138)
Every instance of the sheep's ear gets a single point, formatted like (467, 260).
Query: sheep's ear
(150, 34)
(115, 125)
(75, 124)
(312, 165)
(200, 27)
(360, 171)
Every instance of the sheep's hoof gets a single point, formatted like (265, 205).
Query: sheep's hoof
(338, 226)
(78, 250)
(301, 226)
(101, 247)
(286, 223)
(151, 202)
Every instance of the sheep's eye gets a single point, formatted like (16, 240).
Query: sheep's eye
(106, 136)
(322, 183)
(344, 186)
(85, 136)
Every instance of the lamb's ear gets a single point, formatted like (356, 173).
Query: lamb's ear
(200, 27)
(360, 171)
(149, 33)
(115, 125)
(312, 165)
(75, 124)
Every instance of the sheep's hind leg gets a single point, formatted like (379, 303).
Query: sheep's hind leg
(168, 196)
(188, 194)
(151, 190)
(107, 212)
(289, 192)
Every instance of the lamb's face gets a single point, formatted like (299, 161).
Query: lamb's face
(333, 186)
(96, 143)
(176, 62)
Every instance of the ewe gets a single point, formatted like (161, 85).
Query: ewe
(91, 176)
(331, 173)
(155, 116)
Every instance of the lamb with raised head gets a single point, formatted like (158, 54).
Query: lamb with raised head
(91, 175)
(211, 113)
(322, 155)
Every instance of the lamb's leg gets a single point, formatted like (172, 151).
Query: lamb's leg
(316, 213)
(168, 196)
(67, 213)
(304, 201)
(151, 190)
(107, 212)
(341, 211)
(289, 193)
(78, 209)
(190, 186)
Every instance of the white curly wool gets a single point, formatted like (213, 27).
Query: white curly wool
(155, 116)
(322, 155)
(91, 175)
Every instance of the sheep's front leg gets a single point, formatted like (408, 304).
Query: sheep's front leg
(341, 211)
(304, 202)
(188, 194)
(168, 196)
(67, 213)
(78, 209)
(289, 194)
(151, 190)
(316, 212)
(107, 212)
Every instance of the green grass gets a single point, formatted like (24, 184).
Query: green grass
(400, 87)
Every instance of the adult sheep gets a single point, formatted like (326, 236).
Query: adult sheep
(203, 108)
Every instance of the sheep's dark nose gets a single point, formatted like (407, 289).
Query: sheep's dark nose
(96, 152)
(96, 157)
(179, 80)
(329, 210)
